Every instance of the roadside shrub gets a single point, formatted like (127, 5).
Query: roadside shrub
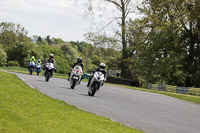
(13, 63)
(3, 57)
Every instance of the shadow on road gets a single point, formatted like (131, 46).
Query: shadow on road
(41, 80)
(90, 96)
(67, 88)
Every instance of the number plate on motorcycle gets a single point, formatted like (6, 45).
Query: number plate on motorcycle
(75, 77)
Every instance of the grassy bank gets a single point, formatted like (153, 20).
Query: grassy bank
(25, 71)
(186, 97)
(25, 110)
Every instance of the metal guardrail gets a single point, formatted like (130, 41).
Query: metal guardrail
(175, 89)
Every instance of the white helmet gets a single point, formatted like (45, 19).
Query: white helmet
(102, 66)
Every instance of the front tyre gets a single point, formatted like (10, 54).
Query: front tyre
(31, 71)
(73, 84)
(93, 90)
(47, 76)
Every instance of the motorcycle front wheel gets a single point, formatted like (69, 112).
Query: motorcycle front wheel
(93, 90)
(73, 84)
(31, 71)
(47, 76)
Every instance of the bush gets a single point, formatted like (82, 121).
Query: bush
(3, 57)
(13, 63)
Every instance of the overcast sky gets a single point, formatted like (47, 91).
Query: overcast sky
(57, 18)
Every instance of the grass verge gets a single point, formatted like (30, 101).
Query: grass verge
(25, 110)
(186, 97)
(25, 71)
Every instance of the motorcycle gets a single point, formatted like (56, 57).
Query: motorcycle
(75, 76)
(31, 67)
(38, 68)
(96, 82)
(49, 68)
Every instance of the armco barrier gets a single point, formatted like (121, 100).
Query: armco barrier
(183, 90)
(116, 80)
(161, 87)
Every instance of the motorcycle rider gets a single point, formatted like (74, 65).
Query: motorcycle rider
(39, 62)
(50, 60)
(30, 60)
(79, 63)
(101, 68)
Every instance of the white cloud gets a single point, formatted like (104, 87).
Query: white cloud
(57, 18)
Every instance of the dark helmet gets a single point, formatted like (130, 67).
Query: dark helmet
(39, 61)
(79, 60)
(51, 56)
(102, 66)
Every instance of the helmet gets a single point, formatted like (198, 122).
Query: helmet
(51, 56)
(79, 60)
(102, 66)
(39, 61)
(32, 57)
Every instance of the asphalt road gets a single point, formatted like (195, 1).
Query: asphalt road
(152, 113)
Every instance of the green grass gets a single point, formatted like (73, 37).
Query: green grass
(186, 97)
(26, 110)
(25, 71)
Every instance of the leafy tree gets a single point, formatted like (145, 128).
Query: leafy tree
(48, 39)
(19, 52)
(3, 58)
(10, 33)
(57, 41)
(168, 50)
(124, 10)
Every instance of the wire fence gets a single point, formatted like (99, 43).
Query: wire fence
(175, 89)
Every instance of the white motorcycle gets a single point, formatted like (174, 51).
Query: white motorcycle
(48, 71)
(75, 76)
(31, 67)
(95, 83)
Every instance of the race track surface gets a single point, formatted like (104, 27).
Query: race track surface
(152, 113)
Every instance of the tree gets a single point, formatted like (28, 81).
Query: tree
(125, 8)
(169, 52)
(48, 39)
(19, 52)
(3, 58)
(57, 41)
(10, 33)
